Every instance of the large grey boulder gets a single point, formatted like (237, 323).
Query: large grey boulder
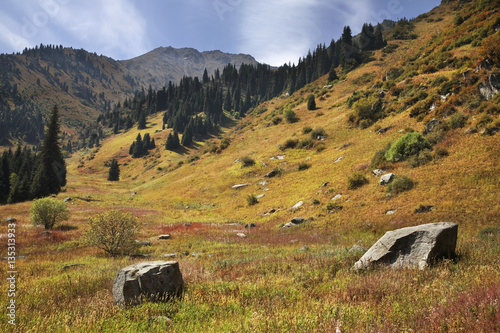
(412, 247)
(150, 280)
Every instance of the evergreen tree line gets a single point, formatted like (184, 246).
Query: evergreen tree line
(26, 175)
(195, 108)
(141, 146)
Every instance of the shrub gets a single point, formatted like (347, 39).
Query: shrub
(436, 136)
(247, 162)
(457, 120)
(400, 184)
(252, 200)
(306, 130)
(378, 160)
(356, 180)
(306, 144)
(277, 120)
(225, 143)
(113, 231)
(48, 212)
(289, 144)
(440, 153)
(408, 145)
(320, 147)
(317, 132)
(419, 159)
(290, 116)
(304, 166)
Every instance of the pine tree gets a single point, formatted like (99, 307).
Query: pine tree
(142, 121)
(311, 103)
(50, 173)
(4, 178)
(114, 171)
(332, 75)
(187, 136)
(206, 79)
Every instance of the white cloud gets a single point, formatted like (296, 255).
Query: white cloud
(282, 31)
(115, 27)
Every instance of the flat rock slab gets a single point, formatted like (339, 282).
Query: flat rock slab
(150, 280)
(412, 247)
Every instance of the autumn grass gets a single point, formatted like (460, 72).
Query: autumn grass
(275, 280)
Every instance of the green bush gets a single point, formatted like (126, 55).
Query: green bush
(247, 162)
(306, 144)
(356, 180)
(378, 160)
(289, 144)
(48, 212)
(400, 184)
(252, 200)
(290, 116)
(317, 132)
(113, 231)
(304, 166)
(277, 120)
(458, 120)
(306, 130)
(408, 145)
(419, 159)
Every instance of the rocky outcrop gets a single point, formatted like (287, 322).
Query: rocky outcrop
(412, 247)
(152, 281)
(386, 179)
(490, 87)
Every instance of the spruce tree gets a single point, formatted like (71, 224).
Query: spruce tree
(114, 171)
(332, 75)
(311, 102)
(50, 173)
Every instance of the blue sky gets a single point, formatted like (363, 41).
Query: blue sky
(273, 31)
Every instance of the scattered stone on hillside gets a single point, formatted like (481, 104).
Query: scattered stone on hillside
(264, 183)
(338, 159)
(164, 237)
(424, 209)
(490, 87)
(297, 205)
(328, 86)
(289, 225)
(272, 211)
(133, 194)
(444, 98)
(357, 249)
(249, 225)
(412, 247)
(432, 107)
(431, 125)
(241, 235)
(386, 179)
(378, 172)
(304, 248)
(160, 319)
(280, 157)
(325, 184)
(169, 255)
(335, 209)
(391, 212)
(71, 266)
(237, 186)
(67, 199)
(196, 254)
(9, 220)
(470, 130)
(260, 196)
(337, 197)
(298, 220)
(383, 130)
(142, 243)
(271, 174)
(152, 281)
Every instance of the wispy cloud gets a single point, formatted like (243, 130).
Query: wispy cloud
(114, 26)
(279, 31)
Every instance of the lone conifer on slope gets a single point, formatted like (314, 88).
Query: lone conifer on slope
(114, 171)
(50, 174)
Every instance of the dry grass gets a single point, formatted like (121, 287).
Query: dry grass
(269, 281)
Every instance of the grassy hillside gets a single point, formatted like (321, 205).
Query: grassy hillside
(298, 279)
